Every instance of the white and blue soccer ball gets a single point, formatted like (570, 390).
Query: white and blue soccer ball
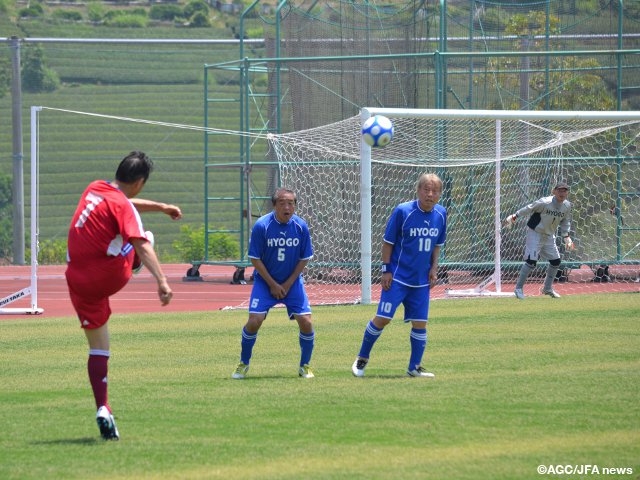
(377, 131)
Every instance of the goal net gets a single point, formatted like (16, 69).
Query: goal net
(492, 163)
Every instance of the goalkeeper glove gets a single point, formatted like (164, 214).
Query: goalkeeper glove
(510, 220)
(568, 243)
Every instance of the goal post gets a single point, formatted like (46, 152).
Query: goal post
(31, 291)
(61, 167)
(492, 163)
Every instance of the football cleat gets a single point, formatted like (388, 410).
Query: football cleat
(107, 424)
(240, 371)
(552, 293)
(305, 371)
(519, 293)
(420, 372)
(358, 366)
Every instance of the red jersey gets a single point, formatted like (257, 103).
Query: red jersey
(99, 252)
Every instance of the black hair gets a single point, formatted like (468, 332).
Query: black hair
(133, 167)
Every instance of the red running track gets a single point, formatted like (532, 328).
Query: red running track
(214, 292)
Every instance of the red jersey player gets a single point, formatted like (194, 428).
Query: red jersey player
(106, 238)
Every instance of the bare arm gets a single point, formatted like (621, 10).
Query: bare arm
(278, 291)
(143, 205)
(301, 265)
(150, 260)
(387, 277)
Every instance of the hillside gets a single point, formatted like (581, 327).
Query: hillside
(149, 82)
(162, 82)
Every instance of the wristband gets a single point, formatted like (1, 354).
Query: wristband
(385, 267)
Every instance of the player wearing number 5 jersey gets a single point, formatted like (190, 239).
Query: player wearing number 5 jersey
(411, 245)
(279, 249)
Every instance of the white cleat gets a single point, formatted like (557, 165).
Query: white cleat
(107, 424)
(358, 367)
(420, 372)
(240, 372)
(519, 293)
(305, 371)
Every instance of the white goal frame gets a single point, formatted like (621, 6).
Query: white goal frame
(483, 288)
(31, 291)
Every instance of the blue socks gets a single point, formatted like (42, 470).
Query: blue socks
(247, 343)
(418, 339)
(371, 334)
(306, 347)
(307, 341)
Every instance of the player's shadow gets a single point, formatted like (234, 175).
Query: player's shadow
(266, 377)
(69, 441)
(368, 376)
(387, 376)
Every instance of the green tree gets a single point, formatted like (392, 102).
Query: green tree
(36, 77)
(573, 87)
(165, 13)
(6, 216)
(195, 6)
(7, 8)
(190, 245)
(570, 83)
(31, 11)
(96, 11)
(200, 20)
(5, 76)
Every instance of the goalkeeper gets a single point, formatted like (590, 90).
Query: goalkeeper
(545, 216)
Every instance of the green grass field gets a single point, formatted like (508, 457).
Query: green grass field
(518, 384)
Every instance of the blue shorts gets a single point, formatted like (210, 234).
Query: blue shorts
(414, 299)
(296, 301)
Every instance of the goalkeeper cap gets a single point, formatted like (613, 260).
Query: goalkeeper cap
(561, 184)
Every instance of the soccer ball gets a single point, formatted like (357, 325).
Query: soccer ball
(377, 131)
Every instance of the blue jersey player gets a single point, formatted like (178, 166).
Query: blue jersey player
(279, 250)
(415, 232)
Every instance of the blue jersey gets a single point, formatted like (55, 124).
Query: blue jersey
(414, 234)
(280, 246)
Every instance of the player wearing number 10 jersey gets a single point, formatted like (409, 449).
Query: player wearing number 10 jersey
(279, 249)
(415, 232)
